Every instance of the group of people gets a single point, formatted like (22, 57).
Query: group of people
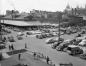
(48, 61)
(11, 47)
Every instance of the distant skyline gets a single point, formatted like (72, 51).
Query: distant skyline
(45, 5)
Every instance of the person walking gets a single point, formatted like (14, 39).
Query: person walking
(19, 56)
(9, 47)
(25, 45)
(12, 47)
(47, 60)
(34, 54)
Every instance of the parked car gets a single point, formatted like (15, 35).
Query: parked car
(29, 33)
(83, 56)
(11, 39)
(68, 32)
(40, 36)
(83, 43)
(19, 38)
(62, 47)
(55, 45)
(17, 30)
(20, 34)
(83, 32)
(49, 35)
(53, 40)
(2, 45)
(50, 41)
(74, 50)
(79, 35)
(74, 31)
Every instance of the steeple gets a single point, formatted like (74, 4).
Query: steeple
(68, 6)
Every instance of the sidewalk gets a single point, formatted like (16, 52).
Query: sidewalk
(25, 59)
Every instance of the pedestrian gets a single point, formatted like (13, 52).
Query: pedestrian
(34, 54)
(12, 47)
(47, 60)
(25, 45)
(19, 56)
(9, 47)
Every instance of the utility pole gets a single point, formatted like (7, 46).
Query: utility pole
(59, 20)
(0, 30)
(12, 14)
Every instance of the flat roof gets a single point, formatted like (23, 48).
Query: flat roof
(25, 23)
(20, 23)
(73, 46)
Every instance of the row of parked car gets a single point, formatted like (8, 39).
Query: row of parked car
(2, 45)
(72, 30)
(76, 46)
(72, 46)
(5, 31)
(45, 35)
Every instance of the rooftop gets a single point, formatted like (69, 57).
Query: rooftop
(24, 23)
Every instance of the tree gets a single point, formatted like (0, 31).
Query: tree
(30, 17)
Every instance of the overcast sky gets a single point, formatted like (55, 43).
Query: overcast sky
(48, 5)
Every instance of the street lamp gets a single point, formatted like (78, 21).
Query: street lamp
(59, 16)
(0, 31)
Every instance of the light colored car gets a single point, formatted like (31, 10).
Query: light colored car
(49, 41)
(20, 34)
(82, 43)
(53, 40)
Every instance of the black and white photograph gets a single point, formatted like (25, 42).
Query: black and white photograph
(42, 32)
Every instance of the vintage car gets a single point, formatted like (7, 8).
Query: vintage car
(11, 39)
(78, 35)
(41, 36)
(20, 34)
(2, 45)
(50, 41)
(83, 32)
(29, 33)
(46, 31)
(83, 56)
(49, 35)
(61, 47)
(19, 37)
(55, 45)
(74, 50)
(53, 40)
(74, 31)
(83, 43)
(68, 32)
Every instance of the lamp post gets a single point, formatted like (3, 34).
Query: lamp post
(12, 14)
(0, 31)
(59, 20)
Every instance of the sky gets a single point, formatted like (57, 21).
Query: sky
(45, 5)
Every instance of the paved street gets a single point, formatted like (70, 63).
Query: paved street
(25, 59)
(39, 45)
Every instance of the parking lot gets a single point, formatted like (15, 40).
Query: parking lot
(39, 45)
